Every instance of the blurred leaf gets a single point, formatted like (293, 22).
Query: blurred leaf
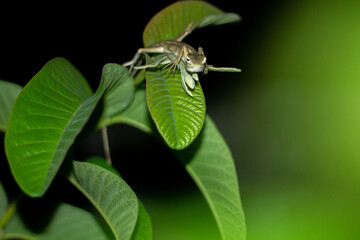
(121, 93)
(209, 162)
(8, 94)
(6, 210)
(136, 115)
(143, 228)
(178, 117)
(67, 222)
(3, 201)
(112, 197)
(185, 215)
(172, 20)
(48, 115)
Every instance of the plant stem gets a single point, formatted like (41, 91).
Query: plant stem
(8, 214)
(106, 145)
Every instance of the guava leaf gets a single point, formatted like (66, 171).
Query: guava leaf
(120, 94)
(67, 222)
(143, 228)
(111, 196)
(172, 20)
(47, 116)
(178, 117)
(209, 162)
(8, 94)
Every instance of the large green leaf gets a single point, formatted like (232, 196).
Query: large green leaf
(112, 197)
(8, 93)
(209, 162)
(67, 222)
(143, 228)
(178, 117)
(46, 118)
(172, 20)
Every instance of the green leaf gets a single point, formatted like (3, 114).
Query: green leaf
(121, 93)
(171, 21)
(143, 229)
(178, 117)
(3, 201)
(210, 164)
(102, 163)
(136, 115)
(6, 210)
(46, 118)
(67, 222)
(112, 197)
(8, 93)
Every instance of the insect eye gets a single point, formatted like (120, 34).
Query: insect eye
(187, 59)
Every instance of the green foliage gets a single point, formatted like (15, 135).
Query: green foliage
(48, 115)
(210, 164)
(8, 93)
(66, 222)
(143, 228)
(120, 92)
(113, 198)
(3, 200)
(178, 117)
(175, 18)
(52, 110)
